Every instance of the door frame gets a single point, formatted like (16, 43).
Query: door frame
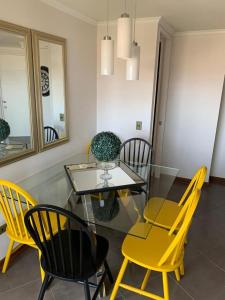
(164, 37)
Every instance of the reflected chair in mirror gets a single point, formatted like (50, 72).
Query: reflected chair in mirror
(162, 251)
(163, 212)
(136, 152)
(72, 254)
(50, 134)
(14, 203)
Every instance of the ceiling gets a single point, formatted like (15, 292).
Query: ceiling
(183, 15)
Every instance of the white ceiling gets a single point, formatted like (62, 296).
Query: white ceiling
(181, 14)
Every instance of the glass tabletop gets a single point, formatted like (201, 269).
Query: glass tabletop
(116, 206)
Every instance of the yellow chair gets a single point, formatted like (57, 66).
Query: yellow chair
(163, 212)
(14, 203)
(162, 251)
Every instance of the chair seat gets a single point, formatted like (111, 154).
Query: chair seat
(148, 252)
(161, 212)
(73, 265)
(23, 237)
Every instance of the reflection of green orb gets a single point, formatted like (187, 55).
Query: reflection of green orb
(4, 130)
(105, 146)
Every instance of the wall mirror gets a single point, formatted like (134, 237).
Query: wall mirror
(50, 85)
(17, 104)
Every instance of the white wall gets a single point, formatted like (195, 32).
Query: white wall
(81, 76)
(196, 82)
(121, 103)
(218, 162)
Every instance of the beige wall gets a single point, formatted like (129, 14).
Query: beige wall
(195, 88)
(120, 103)
(81, 63)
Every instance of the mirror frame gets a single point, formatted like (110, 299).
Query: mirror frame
(36, 37)
(12, 28)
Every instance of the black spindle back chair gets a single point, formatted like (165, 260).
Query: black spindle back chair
(50, 134)
(136, 151)
(74, 253)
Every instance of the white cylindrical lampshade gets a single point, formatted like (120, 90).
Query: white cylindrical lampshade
(133, 63)
(107, 56)
(124, 36)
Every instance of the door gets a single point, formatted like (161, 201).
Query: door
(159, 108)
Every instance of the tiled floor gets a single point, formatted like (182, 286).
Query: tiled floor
(204, 261)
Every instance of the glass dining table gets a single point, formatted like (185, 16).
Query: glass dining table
(115, 202)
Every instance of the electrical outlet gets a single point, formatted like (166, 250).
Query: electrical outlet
(61, 117)
(2, 228)
(138, 125)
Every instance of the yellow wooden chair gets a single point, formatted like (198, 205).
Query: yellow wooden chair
(162, 251)
(163, 212)
(14, 203)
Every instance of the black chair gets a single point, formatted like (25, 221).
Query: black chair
(50, 134)
(136, 151)
(74, 254)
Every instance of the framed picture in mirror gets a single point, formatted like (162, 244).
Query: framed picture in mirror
(49, 56)
(18, 127)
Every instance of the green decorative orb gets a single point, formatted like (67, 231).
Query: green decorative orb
(105, 146)
(4, 130)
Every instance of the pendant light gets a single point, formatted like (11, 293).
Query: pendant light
(107, 51)
(124, 35)
(133, 63)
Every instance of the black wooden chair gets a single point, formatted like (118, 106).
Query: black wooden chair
(50, 134)
(74, 254)
(137, 152)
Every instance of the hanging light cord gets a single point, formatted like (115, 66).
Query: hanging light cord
(125, 5)
(135, 11)
(107, 17)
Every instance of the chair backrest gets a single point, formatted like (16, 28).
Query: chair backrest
(196, 182)
(62, 252)
(50, 134)
(175, 250)
(136, 151)
(14, 203)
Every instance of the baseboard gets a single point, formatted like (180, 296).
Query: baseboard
(16, 252)
(215, 179)
(188, 180)
(182, 180)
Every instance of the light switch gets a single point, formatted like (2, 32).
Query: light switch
(138, 125)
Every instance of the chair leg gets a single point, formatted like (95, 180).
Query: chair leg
(43, 287)
(177, 274)
(119, 278)
(182, 269)
(51, 278)
(144, 282)
(41, 270)
(87, 291)
(165, 286)
(8, 254)
(108, 271)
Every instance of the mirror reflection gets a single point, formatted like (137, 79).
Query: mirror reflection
(52, 91)
(15, 123)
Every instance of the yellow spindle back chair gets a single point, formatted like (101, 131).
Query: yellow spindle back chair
(162, 251)
(14, 203)
(163, 212)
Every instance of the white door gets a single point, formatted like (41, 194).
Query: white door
(159, 109)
